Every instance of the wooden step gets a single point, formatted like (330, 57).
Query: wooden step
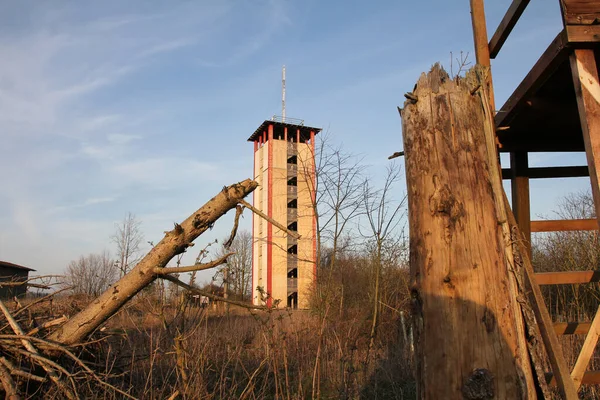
(564, 225)
(567, 277)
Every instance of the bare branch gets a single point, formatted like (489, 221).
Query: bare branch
(271, 220)
(192, 268)
(210, 295)
(238, 211)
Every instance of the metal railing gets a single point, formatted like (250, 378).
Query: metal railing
(287, 120)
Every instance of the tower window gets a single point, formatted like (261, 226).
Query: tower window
(292, 160)
(292, 181)
(293, 227)
(292, 204)
(293, 249)
(293, 273)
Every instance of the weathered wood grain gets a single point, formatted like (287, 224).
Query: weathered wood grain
(468, 327)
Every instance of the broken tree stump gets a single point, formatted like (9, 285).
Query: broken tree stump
(469, 330)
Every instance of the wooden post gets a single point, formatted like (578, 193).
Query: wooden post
(482, 49)
(467, 322)
(587, 91)
(520, 195)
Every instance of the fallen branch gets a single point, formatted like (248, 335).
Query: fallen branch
(210, 295)
(144, 273)
(192, 268)
(269, 219)
(238, 212)
(8, 384)
(17, 372)
(31, 349)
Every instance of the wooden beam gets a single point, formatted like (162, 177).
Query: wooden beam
(551, 172)
(581, 34)
(545, 326)
(506, 26)
(554, 55)
(567, 277)
(589, 378)
(580, 12)
(589, 345)
(482, 49)
(587, 91)
(520, 195)
(564, 225)
(571, 328)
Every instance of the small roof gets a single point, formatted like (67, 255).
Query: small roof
(7, 264)
(278, 125)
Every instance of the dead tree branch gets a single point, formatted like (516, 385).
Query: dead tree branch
(210, 295)
(144, 273)
(238, 212)
(192, 268)
(269, 219)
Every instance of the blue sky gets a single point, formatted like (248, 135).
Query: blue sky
(145, 106)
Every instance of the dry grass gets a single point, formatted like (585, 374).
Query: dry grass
(154, 350)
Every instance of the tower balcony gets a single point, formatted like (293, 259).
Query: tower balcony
(292, 262)
(292, 149)
(292, 214)
(292, 192)
(292, 285)
(291, 241)
(292, 170)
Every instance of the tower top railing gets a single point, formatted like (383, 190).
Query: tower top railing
(287, 120)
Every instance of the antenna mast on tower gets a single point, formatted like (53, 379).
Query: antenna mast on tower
(283, 94)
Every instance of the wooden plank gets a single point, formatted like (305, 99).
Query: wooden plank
(580, 12)
(551, 172)
(589, 378)
(571, 328)
(554, 55)
(482, 49)
(564, 225)
(506, 26)
(589, 345)
(587, 91)
(553, 348)
(567, 277)
(581, 34)
(520, 195)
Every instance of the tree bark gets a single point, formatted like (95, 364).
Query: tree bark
(147, 270)
(467, 323)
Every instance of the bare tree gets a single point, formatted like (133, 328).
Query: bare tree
(91, 274)
(382, 215)
(238, 270)
(128, 238)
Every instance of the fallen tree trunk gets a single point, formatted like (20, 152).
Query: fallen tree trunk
(469, 330)
(176, 241)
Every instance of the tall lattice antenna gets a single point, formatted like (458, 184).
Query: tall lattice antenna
(283, 94)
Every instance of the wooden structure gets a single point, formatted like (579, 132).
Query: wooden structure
(470, 255)
(556, 108)
(284, 265)
(12, 273)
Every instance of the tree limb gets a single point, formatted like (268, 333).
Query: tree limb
(269, 219)
(192, 268)
(144, 273)
(210, 295)
(238, 212)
